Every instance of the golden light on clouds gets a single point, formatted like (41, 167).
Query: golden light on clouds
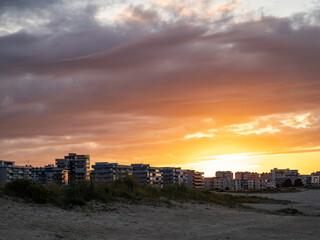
(297, 121)
(251, 128)
(208, 134)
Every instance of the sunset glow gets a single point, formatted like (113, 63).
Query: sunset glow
(207, 85)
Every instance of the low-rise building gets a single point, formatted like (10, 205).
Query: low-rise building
(9, 171)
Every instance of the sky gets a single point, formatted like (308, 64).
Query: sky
(205, 85)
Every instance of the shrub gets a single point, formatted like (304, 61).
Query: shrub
(287, 183)
(27, 189)
(176, 192)
(298, 183)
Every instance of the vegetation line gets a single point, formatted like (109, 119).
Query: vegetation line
(78, 194)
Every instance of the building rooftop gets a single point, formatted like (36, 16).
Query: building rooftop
(6, 163)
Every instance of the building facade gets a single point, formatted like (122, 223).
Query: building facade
(109, 172)
(49, 174)
(193, 179)
(78, 167)
(146, 175)
(280, 175)
(223, 180)
(315, 179)
(9, 171)
(171, 175)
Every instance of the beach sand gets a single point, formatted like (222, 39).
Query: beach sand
(19, 220)
(306, 201)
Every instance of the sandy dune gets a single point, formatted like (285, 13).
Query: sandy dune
(125, 221)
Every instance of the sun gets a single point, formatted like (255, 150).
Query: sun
(225, 162)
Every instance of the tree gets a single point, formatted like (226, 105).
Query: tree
(298, 183)
(287, 183)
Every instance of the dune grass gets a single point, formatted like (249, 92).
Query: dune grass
(79, 194)
(1, 190)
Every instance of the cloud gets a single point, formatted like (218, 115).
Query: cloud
(275, 122)
(154, 74)
(298, 121)
(250, 128)
(199, 135)
(139, 14)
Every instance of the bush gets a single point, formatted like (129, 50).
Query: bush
(83, 192)
(176, 192)
(27, 189)
(298, 183)
(287, 183)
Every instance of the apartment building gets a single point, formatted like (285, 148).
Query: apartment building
(208, 183)
(266, 181)
(243, 180)
(49, 174)
(223, 180)
(247, 180)
(315, 179)
(280, 175)
(224, 174)
(156, 177)
(9, 171)
(193, 179)
(147, 175)
(78, 166)
(171, 175)
(306, 180)
(109, 172)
